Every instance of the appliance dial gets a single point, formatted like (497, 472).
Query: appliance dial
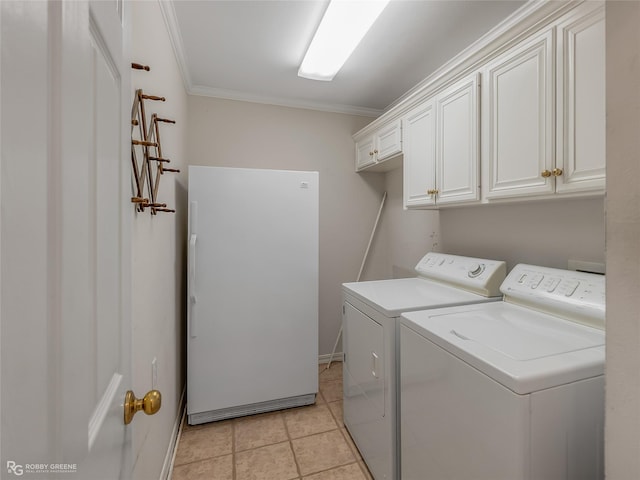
(475, 269)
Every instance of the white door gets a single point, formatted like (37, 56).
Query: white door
(65, 240)
(519, 119)
(419, 156)
(457, 142)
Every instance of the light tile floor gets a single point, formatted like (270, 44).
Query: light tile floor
(308, 443)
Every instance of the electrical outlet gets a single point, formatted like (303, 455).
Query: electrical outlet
(154, 373)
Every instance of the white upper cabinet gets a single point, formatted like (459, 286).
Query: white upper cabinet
(528, 123)
(441, 148)
(364, 153)
(580, 144)
(457, 143)
(518, 119)
(544, 125)
(380, 146)
(419, 172)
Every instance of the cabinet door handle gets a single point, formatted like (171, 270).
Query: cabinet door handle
(546, 173)
(557, 172)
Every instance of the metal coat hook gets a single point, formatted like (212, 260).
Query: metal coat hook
(146, 152)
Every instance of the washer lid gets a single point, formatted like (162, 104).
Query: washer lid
(393, 297)
(524, 350)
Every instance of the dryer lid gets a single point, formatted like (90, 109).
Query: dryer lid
(524, 350)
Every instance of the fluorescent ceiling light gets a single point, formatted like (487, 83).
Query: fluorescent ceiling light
(344, 24)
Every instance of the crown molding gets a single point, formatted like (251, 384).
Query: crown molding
(203, 91)
(171, 22)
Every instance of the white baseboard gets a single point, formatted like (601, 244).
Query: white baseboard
(337, 357)
(167, 467)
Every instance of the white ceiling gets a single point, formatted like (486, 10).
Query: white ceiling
(251, 49)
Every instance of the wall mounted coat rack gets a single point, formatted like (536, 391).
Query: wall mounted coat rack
(146, 152)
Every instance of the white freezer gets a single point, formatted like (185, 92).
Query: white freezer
(252, 339)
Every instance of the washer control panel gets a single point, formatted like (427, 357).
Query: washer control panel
(562, 292)
(477, 275)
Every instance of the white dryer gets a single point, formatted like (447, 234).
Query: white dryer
(511, 390)
(371, 312)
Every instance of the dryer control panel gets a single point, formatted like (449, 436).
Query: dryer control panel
(477, 275)
(578, 296)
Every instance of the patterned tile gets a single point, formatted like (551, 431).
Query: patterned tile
(267, 463)
(351, 444)
(331, 374)
(219, 468)
(309, 420)
(331, 391)
(365, 470)
(338, 412)
(320, 447)
(207, 441)
(347, 472)
(322, 452)
(259, 430)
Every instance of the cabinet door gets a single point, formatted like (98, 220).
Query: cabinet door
(520, 104)
(419, 156)
(388, 141)
(581, 100)
(457, 142)
(364, 153)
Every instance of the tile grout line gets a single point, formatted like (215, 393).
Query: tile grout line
(293, 452)
(233, 449)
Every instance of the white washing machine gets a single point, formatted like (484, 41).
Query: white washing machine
(371, 312)
(511, 390)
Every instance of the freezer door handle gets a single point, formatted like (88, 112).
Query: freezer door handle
(192, 285)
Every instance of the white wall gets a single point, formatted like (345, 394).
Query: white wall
(547, 233)
(159, 249)
(242, 134)
(622, 438)
(403, 236)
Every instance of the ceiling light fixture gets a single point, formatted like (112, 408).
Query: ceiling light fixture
(344, 24)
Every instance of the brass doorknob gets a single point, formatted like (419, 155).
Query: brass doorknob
(546, 173)
(557, 172)
(149, 404)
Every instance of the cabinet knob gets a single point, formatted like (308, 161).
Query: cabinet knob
(546, 173)
(375, 151)
(371, 154)
(557, 172)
